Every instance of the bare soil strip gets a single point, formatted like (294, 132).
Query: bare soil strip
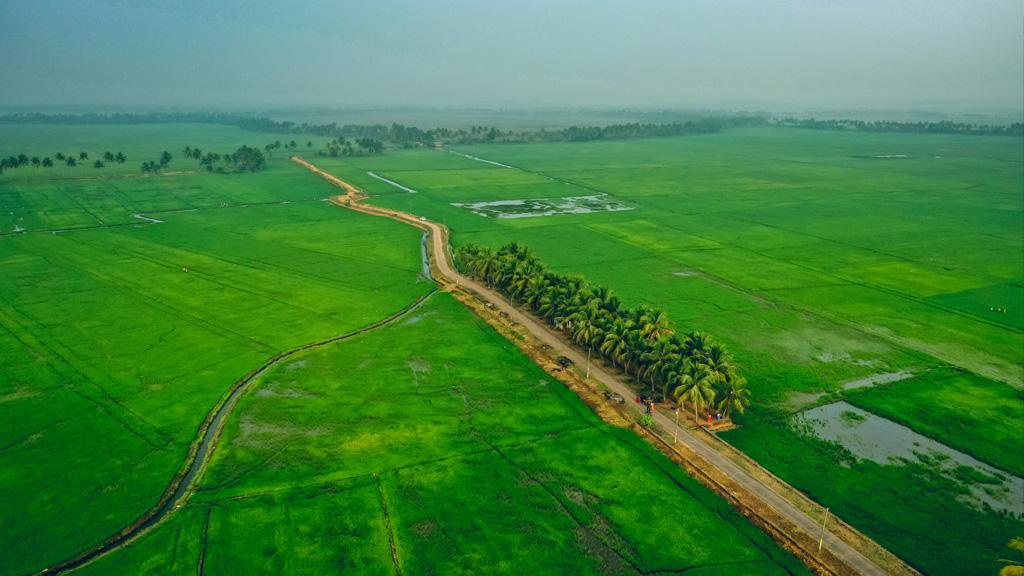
(781, 510)
(181, 487)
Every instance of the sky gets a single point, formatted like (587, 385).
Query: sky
(963, 56)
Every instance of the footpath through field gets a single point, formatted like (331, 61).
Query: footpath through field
(854, 562)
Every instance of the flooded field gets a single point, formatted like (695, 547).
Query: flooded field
(538, 207)
(881, 440)
(877, 379)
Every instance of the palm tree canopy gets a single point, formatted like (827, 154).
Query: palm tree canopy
(641, 340)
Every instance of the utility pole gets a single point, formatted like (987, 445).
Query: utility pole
(588, 363)
(821, 541)
(675, 431)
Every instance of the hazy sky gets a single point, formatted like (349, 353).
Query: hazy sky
(894, 54)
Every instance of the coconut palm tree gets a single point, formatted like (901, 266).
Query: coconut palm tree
(735, 395)
(536, 287)
(658, 361)
(636, 347)
(609, 301)
(717, 361)
(585, 332)
(1014, 567)
(695, 345)
(487, 266)
(654, 324)
(614, 345)
(695, 386)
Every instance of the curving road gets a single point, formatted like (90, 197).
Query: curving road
(446, 274)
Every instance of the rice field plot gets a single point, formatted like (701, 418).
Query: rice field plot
(818, 265)
(117, 340)
(57, 204)
(432, 445)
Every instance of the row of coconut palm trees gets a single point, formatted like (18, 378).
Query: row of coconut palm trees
(691, 367)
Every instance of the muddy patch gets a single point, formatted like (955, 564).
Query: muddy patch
(277, 392)
(540, 207)
(418, 366)
(830, 357)
(871, 437)
(291, 366)
(877, 379)
(417, 318)
(260, 432)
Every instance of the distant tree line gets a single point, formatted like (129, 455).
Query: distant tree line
(398, 134)
(71, 160)
(409, 136)
(939, 127)
(357, 147)
(641, 341)
(122, 118)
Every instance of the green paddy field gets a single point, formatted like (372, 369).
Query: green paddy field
(401, 452)
(822, 259)
(880, 270)
(130, 305)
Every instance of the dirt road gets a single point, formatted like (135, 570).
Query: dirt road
(446, 274)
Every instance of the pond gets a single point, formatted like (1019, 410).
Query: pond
(881, 440)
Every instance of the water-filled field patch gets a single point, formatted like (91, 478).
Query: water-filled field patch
(537, 207)
(871, 437)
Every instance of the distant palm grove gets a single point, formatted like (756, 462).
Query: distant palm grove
(641, 341)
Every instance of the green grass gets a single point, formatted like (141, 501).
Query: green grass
(815, 263)
(113, 354)
(483, 462)
(972, 414)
